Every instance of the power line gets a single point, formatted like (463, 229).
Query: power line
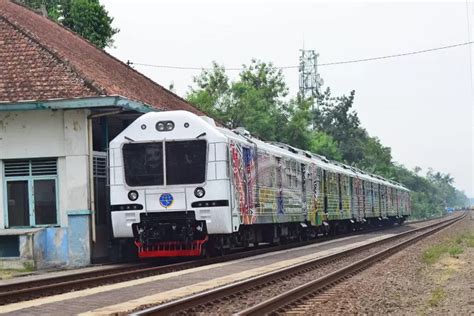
(397, 55)
(320, 65)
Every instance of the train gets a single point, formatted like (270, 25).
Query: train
(182, 185)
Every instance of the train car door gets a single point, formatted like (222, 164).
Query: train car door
(250, 181)
(304, 199)
(279, 185)
(325, 191)
(372, 198)
(352, 198)
(339, 193)
(364, 197)
(383, 200)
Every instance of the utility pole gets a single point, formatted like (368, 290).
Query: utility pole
(310, 80)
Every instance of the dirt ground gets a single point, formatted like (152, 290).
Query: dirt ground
(432, 277)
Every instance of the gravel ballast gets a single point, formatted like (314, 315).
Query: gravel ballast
(406, 284)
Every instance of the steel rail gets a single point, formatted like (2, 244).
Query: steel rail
(187, 303)
(290, 298)
(20, 291)
(72, 276)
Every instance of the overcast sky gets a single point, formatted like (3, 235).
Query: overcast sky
(421, 106)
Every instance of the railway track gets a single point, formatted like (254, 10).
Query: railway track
(21, 291)
(229, 295)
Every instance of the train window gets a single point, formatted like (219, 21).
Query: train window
(265, 169)
(297, 175)
(143, 163)
(294, 172)
(346, 180)
(333, 184)
(287, 178)
(309, 179)
(342, 185)
(185, 162)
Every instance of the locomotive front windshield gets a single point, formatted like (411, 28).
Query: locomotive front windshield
(185, 163)
(143, 164)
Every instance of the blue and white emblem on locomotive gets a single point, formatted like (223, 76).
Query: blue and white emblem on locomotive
(166, 200)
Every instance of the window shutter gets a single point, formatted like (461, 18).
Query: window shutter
(100, 166)
(44, 167)
(18, 168)
(25, 168)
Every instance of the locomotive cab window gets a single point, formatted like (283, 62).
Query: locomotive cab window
(185, 162)
(143, 163)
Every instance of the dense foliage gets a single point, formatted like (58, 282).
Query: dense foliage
(88, 18)
(258, 100)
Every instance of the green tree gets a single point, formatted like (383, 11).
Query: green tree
(323, 144)
(213, 95)
(257, 100)
(376, 158)
(334, 116)
(296, 130)
(88, 18)
(253, 101)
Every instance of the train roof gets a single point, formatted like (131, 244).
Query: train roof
(285, 150)
(241, 135)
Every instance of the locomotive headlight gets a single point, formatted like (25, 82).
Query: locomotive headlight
(164, 126)
(199, 192)
(169, 126)
(133, 195)
(160, 126)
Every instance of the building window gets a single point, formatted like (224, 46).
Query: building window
(31, 188)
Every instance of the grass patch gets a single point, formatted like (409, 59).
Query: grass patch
(453, 247)
(455, 250)
(437, 296)
(470, 242)
(28, 266)
(6, 274)
(468, 239)
(434, 253)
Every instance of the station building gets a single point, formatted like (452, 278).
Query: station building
(61, 101)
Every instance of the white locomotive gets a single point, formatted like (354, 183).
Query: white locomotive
(180, 184)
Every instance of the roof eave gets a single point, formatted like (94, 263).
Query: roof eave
(77, 103)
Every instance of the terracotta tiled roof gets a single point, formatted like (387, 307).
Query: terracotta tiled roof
(40, 59)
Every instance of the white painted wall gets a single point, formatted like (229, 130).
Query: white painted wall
(47, 133)
(2, 215)
(31, 134)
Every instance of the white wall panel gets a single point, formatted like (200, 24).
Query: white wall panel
(2, 202)
(31, 134)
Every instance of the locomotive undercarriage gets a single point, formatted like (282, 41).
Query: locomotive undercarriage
(253, 235)
(170, 234)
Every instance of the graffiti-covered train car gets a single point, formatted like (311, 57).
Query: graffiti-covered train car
(180, 185)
